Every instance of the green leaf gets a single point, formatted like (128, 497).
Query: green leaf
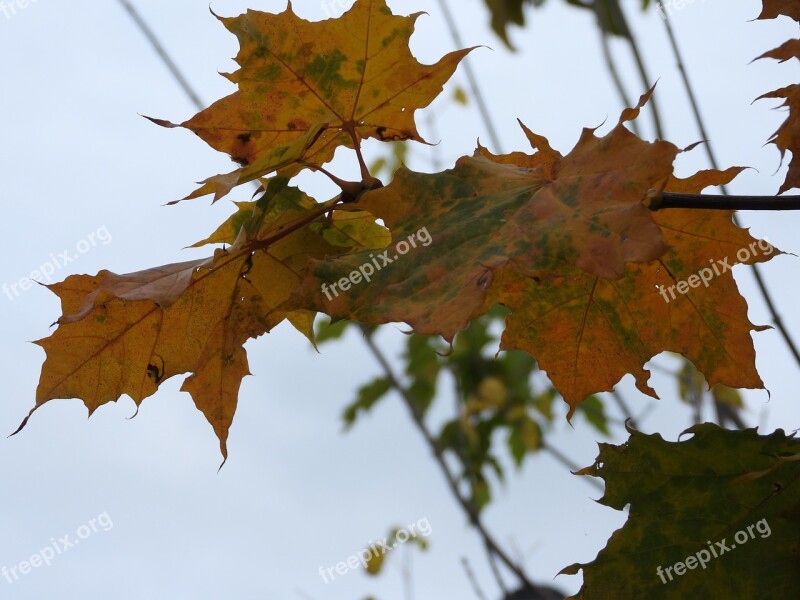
(481, 493)
(368, 396)
(377, 560)
(610, 18)
(460, 96)
(328, 331)
(422, 367)
(593, 409)
(544, 401)
(691, 383)
(355, 229)
(505, 13)
(388, 164)
(691, 500)
(525, 436)
(727, 395)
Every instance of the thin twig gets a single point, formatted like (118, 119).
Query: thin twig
(615, 77)
(649, 408)
(776, 318)
(408, 588)
(473, 581)
(623, 406)
(642, 70)
(689, 90)
(647, 81)
(285, 230)
(496, 572)
(162, 54)
(473, 80)
(564, 460)
(728, 414)
(589, 409)
(469, 509)
(664, 370)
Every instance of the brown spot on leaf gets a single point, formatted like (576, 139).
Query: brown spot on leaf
(154, 373)
(297, 123)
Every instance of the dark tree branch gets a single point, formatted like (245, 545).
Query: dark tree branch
(701, 201)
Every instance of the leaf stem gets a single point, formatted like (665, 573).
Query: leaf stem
(285, 230)
(350, 189)
(350, 129)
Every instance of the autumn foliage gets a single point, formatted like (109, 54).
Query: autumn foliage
(567, 242)
(570, 244)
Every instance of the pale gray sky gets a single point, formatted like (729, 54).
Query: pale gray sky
(78, 163)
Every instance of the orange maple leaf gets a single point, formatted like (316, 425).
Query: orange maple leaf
(306, 88)
(567, 244)
(787, 137)
(772, 9)
(126, 334)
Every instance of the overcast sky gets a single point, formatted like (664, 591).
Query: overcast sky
(81, 171)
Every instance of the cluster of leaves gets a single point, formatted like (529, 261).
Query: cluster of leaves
(495, 395)
(566, 243)
(301, 95)
(610, 17)
(787, 137)
(565, 248)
